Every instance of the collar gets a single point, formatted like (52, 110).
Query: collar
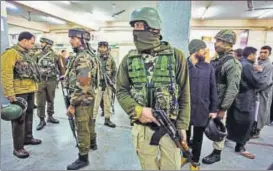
(199, 64)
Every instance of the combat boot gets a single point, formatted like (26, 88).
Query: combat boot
(107, 122)
(52, 120)
(215, 156)
(41, 125)
(81, 162)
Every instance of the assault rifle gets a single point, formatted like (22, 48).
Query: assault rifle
(70, 118)
(109, 82)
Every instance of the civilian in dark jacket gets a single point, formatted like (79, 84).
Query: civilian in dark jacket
(241, 115)
(203, 97)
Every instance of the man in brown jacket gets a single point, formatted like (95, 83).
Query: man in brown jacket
(19, 80)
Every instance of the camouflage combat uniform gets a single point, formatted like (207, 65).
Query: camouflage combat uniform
(50, 65)
(108, 69)
(144, 79)
(80, 81)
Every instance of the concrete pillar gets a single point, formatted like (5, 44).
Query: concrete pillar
(4, 40)
(175, 16)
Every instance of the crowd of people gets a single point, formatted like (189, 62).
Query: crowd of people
(228, 98)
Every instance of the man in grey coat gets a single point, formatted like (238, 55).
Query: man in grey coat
(265, 94)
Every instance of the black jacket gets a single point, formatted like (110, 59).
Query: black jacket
(204, 98)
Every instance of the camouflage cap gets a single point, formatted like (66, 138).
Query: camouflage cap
(228, 36)
(46, 40)
(80, 33)
(147, 14)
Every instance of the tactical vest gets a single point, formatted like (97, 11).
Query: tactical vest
(26, 68)
(157, 93)
(217, 65)
(47, 65)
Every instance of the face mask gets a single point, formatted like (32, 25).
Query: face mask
(145, 40)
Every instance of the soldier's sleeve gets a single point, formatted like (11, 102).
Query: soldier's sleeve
(233, 71)
(114, 71)
(8, 60)
(182, 78)
(82, 92)
(129, 105)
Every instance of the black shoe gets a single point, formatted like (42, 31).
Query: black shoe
(41, 125)
(212, 158)
(35, 106)
(81, 162)
(33, 141)
(52, 120)
(109, 123)
(93, 145)
(22, 153)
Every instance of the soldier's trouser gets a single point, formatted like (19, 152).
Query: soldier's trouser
(220, 145)
(85, 125)
(106, 95)
(170, 157)
(22, 127)
(46, 93)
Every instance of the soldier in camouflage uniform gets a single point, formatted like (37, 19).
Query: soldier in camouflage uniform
(228, 75)
(19, 78)
(144, 80)
(80, 81)
(50, 64)
(108, 70)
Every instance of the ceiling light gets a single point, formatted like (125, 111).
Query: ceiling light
(65, 2)
(11, 6)
(54, 20)
(265, 14)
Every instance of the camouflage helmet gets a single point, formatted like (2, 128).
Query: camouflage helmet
(228, 36)
(13, 110)
(46, 40)
(147, 14)
(80, 33)
(103, 43)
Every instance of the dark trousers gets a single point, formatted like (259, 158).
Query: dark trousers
(196, 141)
(22, 127)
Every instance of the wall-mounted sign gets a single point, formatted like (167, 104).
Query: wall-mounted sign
(207, 38)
